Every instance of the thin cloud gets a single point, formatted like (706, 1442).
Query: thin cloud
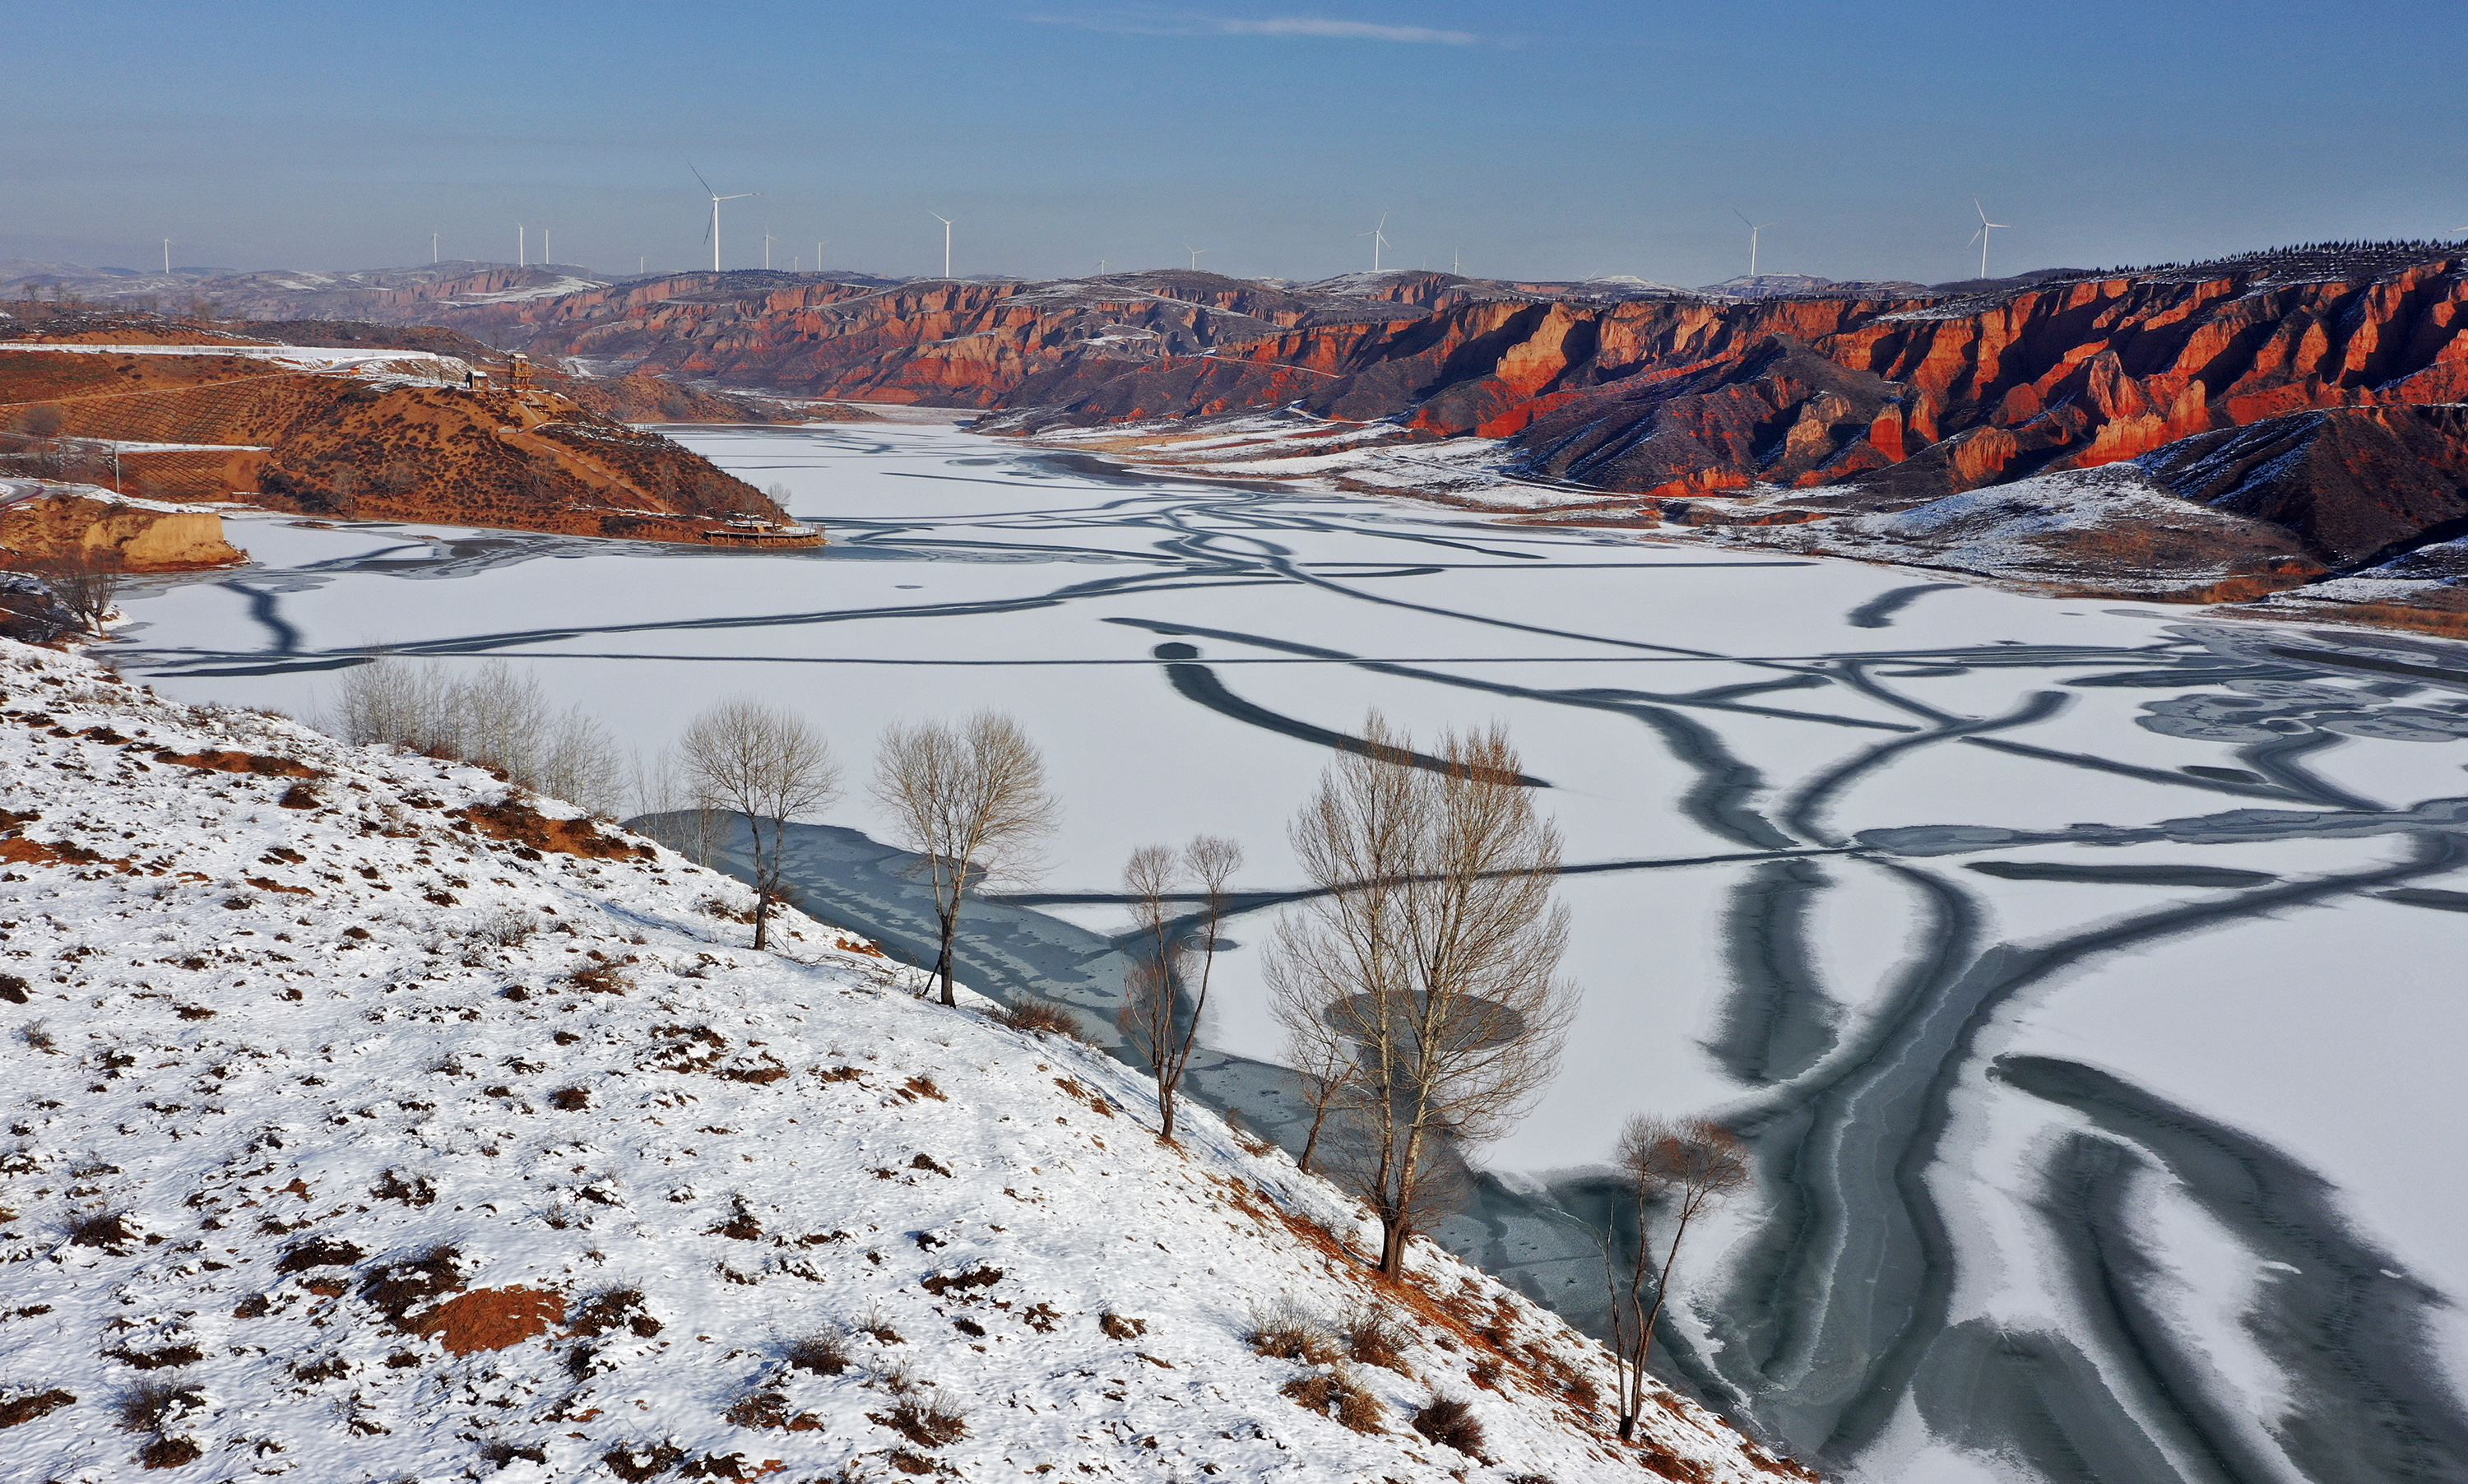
(1154, 24)
(1350, 30)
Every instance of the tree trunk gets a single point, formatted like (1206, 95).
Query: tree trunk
(762, 916)
(1393, 1232)
(943, 964)
(1310, 1140)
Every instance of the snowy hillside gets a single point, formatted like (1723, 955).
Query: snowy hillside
(365, 1124)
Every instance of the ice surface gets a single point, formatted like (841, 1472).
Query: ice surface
(1720, 728)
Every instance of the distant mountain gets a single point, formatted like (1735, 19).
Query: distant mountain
(1776, 286)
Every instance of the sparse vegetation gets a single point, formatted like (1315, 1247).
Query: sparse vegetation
(824, 1354)
(1451, 1424)
(1288, 1333)
(496, 718)
(1374, 1338)
(1040, 1017)
(1337, 1393)
(930, 1421)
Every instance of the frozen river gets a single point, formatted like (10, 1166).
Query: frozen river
(2085, 976)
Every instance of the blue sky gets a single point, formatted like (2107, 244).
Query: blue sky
(1549, 139)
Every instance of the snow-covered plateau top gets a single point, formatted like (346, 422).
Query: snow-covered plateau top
(366, 1123)
(426, 366)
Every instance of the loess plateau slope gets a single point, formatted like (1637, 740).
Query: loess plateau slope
(366, 1121)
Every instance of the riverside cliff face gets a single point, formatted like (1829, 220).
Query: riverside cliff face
(382, 434)
(1654, 394)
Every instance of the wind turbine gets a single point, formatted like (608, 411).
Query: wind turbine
(1379, 239)
(432, 247)
(167, 256)
(818, 253)
(522, 245)
(947, 240)
(716, 199)
(1754, 227)
(1195, 254)
(1981, 236)
(548, 254)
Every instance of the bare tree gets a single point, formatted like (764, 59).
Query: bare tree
(85, 588)
(496, 717)
(1432, 946)
(969, 801)
(684, 819)
(1326, 1061)
(768, 765)
(1152, 1018)
(1694, 1165)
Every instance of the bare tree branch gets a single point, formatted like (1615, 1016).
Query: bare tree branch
(969, 801)
(769, 766)
(1152, 1016)
(1693, 1165)
(1431, 956)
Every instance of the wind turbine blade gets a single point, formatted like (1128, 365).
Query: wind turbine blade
(1744, 218)
(1974, 238)
(698, 180)
(1981, 210)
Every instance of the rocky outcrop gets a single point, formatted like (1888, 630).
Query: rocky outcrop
(88, 527)
(2357, 485)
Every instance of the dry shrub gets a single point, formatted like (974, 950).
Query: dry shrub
(639, 1463)
(600, 979)
(1451, 1424)
(1373, 1339)
(826, 1353)
(1042, 1017)
(928, 1422)
(1121, 1325)
(153, 1405)
(615, 1308)
(1336, 1393)
(510, 928)
(1289, 1334)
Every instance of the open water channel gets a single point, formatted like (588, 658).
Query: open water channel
(2086, 976)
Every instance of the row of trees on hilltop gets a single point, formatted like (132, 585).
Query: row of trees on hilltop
(1417, 981)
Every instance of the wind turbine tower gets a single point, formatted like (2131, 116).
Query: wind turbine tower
(947, 240)
(1754, 227)
(1379, 239)
(1981, 236)
(522, 245)
(548, 254)
(716, 199)
(767, 251)
(167, 256)
(432, 247)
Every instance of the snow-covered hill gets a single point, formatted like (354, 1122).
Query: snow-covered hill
(363, 1122)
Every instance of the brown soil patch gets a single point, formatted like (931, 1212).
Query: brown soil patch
(17, 1410)
(19, 851)
(240, 763)
(510, 819)
(491, 1318)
